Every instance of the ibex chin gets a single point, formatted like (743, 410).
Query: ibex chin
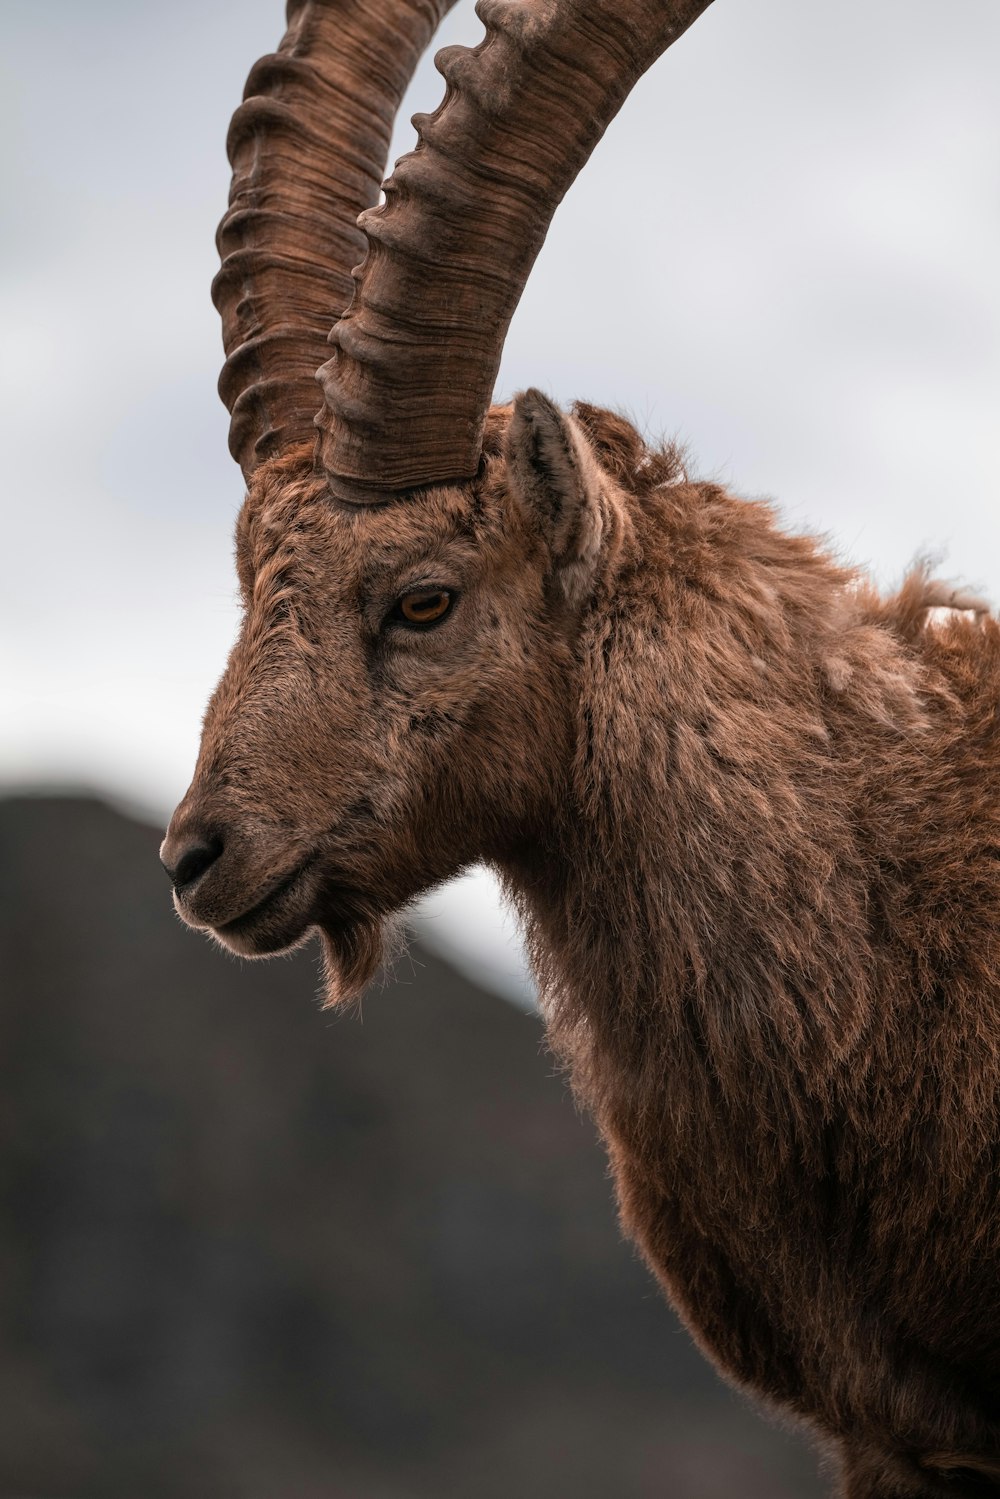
(749, 811)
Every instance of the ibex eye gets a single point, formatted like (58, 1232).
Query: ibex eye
(424, 606)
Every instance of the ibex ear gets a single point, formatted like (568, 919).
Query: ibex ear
(553, 470)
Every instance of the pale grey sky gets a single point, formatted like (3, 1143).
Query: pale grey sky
(785, 251)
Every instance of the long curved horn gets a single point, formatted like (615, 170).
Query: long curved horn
(308, 149)
(416, 356)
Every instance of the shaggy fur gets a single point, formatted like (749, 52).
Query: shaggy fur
(750, 813)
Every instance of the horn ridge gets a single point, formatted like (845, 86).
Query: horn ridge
(415, 357)
(308, 147)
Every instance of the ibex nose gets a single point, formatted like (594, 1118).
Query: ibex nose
(188, 860)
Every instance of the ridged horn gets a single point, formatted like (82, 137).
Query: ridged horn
(416, 355)
(308, 149)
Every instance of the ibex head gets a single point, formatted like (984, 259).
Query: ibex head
(399, 701)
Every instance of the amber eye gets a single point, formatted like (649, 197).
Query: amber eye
(424, 606)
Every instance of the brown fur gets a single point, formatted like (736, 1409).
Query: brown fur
(750, 813)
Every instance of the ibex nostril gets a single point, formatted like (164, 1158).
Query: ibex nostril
(198, 856)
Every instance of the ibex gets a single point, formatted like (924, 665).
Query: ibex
(749, 810)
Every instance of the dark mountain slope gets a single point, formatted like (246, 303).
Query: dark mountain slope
(249, 1249)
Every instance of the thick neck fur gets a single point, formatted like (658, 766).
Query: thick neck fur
(727, 939)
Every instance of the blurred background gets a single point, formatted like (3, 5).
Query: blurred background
(249, 1249)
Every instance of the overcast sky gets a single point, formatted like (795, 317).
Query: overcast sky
(784, 251)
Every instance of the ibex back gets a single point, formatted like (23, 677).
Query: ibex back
(748, 810)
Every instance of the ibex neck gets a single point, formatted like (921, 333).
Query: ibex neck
(701, 915)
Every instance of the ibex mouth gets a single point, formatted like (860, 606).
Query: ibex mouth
(279, 920)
